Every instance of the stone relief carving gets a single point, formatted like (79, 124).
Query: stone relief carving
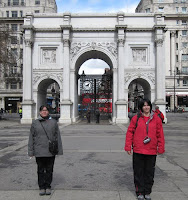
(37, 76)
(149, 75)
(48, 56)
(139, 55)
(77, 46)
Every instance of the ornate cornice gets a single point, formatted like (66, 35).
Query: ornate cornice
(93, 29)
(66, 27)
(140, 29)
(48, 30)
(28, 27)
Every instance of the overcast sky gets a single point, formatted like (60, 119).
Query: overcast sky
(96, 66)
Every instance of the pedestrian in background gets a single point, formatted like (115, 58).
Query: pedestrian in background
(88, 115)
(159, 113)
(20, 112)
(97, 116)
(145, 135)
(43, 129)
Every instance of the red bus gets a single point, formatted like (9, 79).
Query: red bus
(103, 102)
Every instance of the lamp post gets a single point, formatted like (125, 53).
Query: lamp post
(82, 79)
(174, 91)
(136, 95)
(55, 95)
(106, 78)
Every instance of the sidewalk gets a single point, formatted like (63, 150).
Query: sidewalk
(86, 195)
(94, 165)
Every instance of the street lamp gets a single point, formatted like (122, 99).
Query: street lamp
(82, 79)
(174, 91)
(136, 95)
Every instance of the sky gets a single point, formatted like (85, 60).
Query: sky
(96, 66)
(87, 6)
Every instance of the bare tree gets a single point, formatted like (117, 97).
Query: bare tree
(8, 56)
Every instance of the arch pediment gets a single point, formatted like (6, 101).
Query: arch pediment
(148, 76)
(38, 77)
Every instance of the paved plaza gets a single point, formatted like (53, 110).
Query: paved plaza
(94, 165)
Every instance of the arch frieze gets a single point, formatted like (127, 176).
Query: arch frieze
(149, 76)
(39, 76)
(76, 47)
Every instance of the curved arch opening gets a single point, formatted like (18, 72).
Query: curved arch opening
(138, 89)
(48, 94)
(94, 85)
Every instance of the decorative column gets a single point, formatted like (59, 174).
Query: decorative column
(66, 104)
(27, 102)
(172, 52)
(121, 103)
(160, 98)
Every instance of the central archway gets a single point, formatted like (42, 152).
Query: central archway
(81, 58)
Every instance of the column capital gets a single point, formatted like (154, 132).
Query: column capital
(28, 43)
(66, 42)
(121, 42)
(159, 42)
(173, 33)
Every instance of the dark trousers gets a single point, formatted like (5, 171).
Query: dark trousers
(45, 167)
(97, 119)
(144, 170)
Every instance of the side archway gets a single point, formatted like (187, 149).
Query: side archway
(47, 91)
(139, 88)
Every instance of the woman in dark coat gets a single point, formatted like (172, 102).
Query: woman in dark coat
(38, 146)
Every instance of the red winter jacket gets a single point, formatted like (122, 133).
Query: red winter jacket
(135, 136)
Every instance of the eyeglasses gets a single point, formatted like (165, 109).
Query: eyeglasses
(44, 110)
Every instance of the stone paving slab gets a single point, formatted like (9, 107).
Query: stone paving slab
(86, 195)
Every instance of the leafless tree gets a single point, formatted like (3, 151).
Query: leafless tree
(8, 57)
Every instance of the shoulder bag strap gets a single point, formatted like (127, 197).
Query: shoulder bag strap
(45, 131)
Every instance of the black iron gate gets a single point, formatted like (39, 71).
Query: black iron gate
(96, 95)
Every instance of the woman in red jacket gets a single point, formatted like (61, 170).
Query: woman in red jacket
(145, 136)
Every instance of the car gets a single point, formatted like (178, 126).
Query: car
(180, 109)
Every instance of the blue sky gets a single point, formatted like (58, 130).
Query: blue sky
(86, 6)
(96, 66)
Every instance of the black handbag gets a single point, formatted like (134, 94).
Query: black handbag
(53, 145)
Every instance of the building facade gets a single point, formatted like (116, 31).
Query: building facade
(56, 45)
(175, 14)
(12, 14)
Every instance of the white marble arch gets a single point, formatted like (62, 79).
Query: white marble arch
(83, 55)
(40, 90)
(79, 37)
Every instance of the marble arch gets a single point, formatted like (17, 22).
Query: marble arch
(55, 45)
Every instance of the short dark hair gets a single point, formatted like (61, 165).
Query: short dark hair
(43, 106)
(142, 104)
